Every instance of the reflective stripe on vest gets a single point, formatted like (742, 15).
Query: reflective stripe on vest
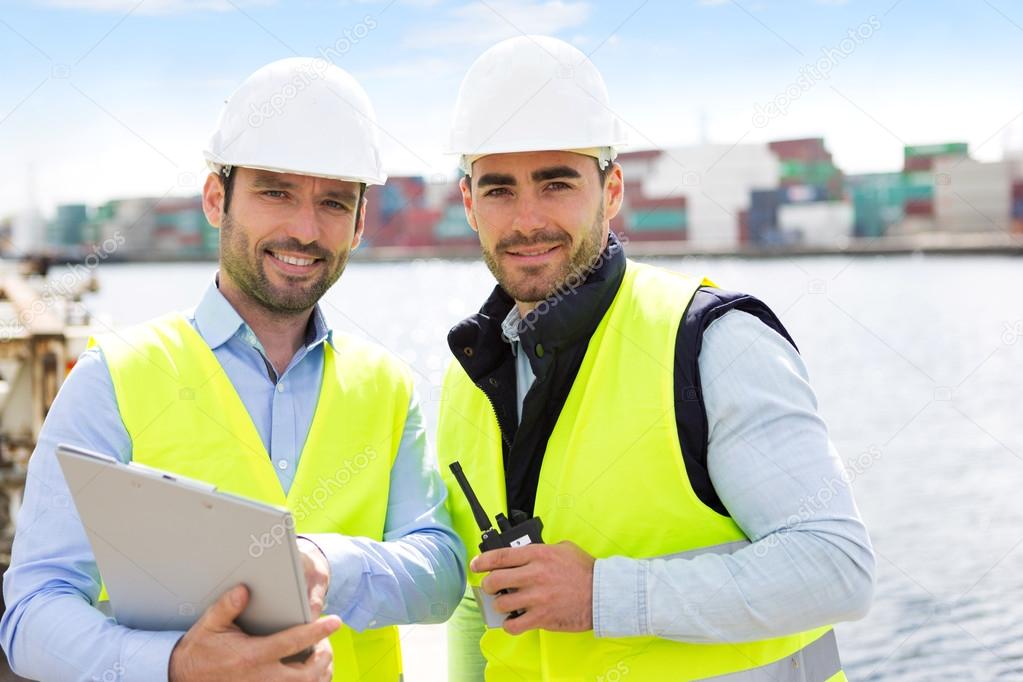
(184, 415)
(613, 481)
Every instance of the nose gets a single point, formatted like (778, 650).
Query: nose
(302, 223)
(529, 216)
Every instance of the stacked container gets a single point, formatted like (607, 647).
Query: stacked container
(919, 175)
(879, 201)
(399, 217)
(1017, 206)
(807, 163)
(972, 196)
(763, 217)
(645, 219)
(715, 181)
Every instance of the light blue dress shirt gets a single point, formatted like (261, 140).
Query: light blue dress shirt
(810, 561)
(50, 629)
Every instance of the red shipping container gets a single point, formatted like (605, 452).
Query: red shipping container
(809, 149)
(1017, 190)
(918, 163)
(919, 207)
(645, 203)
(744, 237)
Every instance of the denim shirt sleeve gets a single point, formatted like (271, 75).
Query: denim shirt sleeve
(809, 563)
(51, 630)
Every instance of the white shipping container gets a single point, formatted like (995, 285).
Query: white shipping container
(972, 196)
(818, 223)
(716, 180)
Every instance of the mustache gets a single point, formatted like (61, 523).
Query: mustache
(541, 237)
(294, 246)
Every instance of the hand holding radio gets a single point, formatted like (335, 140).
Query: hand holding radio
(551, 586)
(531, 585)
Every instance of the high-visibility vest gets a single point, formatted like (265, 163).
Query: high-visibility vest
(183, 415)
(614, 482)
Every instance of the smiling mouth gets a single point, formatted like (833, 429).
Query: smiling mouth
(532, 251)
(292, 260)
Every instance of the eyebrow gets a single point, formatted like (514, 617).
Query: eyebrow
(272, 181)
(495, 179)
(265, 180)
(540, 175)
(554, 172)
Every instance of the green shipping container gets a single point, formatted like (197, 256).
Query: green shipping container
(657, 220)
(946, 149)
(808, 173)
(452, 225)
(878, 200)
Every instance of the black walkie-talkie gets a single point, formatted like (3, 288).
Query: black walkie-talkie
(521, 530)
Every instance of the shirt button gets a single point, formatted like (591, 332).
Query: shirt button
(539, 350)
(280, 387)
(282, 464)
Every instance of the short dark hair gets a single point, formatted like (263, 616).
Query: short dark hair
(227, 178)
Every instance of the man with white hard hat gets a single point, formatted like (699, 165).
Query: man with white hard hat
(277, 408)
(662, 429)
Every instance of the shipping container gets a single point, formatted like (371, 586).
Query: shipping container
(452, 225)
(878, 200)
(652, 236)
(800, 194)
(944, 149)
(924, 207)
(763, 215)
(657, 220)
(918, 163)
(808, 149)
(974, 196)
(822, 223)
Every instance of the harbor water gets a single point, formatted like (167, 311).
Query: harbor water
(918, 367)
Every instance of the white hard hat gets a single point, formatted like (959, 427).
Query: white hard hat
(299, 115)
(533, 93)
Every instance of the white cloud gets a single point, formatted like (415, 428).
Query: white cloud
(484, 23)
(155, 6)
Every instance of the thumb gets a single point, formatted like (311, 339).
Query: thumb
(222, 613)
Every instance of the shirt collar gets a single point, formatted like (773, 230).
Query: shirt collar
(218, 322)
(510, 326)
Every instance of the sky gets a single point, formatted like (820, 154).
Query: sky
(102, 99)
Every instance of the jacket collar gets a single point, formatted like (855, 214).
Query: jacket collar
(568, 316)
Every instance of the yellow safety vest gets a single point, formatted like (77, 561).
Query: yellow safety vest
(184, 416)
(614, 482)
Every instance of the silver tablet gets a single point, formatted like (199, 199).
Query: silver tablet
(167, 547)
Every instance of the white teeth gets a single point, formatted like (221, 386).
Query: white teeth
(292, 260)
(533, 253)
